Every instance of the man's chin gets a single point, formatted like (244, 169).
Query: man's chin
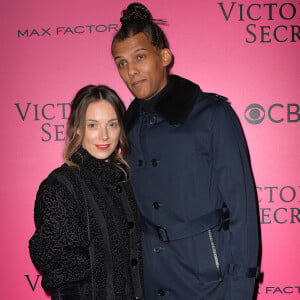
(140, 96)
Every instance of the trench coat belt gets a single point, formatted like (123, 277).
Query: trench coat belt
(217, 218)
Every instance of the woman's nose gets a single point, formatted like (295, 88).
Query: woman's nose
(103, 134)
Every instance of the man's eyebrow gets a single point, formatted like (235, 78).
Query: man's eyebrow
(136, 50)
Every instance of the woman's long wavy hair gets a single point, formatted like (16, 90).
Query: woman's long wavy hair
(76, 122)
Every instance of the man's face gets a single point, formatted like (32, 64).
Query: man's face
(141, 65)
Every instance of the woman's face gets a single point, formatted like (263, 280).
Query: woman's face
(141, 66)
(102, 130)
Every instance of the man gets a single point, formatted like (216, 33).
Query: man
(190, 174)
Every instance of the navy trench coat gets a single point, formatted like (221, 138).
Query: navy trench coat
(189, 170)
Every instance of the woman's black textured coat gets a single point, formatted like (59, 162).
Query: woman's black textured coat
(189, 161)
(63, 249)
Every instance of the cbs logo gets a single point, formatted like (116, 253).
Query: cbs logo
(276, 113)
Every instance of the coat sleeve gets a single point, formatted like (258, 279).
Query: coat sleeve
(59, 246)
(236, 185)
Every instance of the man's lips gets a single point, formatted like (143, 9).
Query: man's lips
(138, 82)
(103, 147)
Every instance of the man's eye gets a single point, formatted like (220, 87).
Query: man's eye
(122, 64)
(140, 57)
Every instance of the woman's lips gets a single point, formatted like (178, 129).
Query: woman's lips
(103, 147)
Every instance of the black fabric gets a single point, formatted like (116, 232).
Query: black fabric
(150, 104)
(60, 245)
(72, 291)
(173, 104)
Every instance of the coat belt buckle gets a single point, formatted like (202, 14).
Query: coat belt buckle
(162, 233)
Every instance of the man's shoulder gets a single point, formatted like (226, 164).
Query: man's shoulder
(209, 102)
(214, 97)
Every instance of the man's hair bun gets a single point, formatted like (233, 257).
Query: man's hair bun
(137, 18)
(136, 13)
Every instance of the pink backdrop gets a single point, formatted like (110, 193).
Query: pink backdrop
(245, 50)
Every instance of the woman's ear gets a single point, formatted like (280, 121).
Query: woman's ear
(166, 56)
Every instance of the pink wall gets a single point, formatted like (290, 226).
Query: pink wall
(249, 67)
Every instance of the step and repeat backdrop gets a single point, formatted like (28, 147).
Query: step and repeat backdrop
(245, 50)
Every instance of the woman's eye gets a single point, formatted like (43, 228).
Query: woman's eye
(92, 126)
(114, 124)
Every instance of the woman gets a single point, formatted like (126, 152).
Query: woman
(87, 240)
(189, 168)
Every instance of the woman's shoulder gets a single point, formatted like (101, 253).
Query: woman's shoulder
(61, 178)
(59, 192)
(63, 170)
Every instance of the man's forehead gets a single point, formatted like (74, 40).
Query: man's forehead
(131, 45)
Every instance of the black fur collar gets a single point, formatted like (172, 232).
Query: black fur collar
(174, 106)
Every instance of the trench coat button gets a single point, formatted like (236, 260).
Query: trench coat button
(133, 262)
(140, 162)
(130, 225)
(156, 205)
(152, 120)
(136, 298)
(154, 162)
(119, 189)
(161, 292)
(157, 249)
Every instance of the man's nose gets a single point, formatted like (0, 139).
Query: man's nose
(132, 69)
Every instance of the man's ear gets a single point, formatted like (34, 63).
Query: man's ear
(166, 56)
